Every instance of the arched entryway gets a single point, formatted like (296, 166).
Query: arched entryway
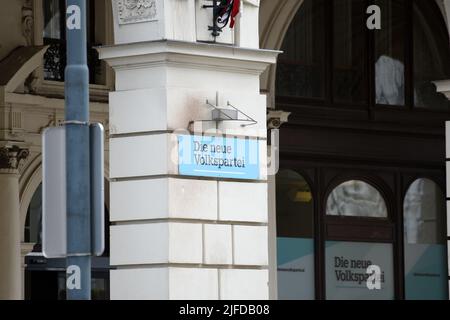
(45, 279)
(363, 154)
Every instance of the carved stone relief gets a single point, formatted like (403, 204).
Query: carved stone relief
(134, 11)
(28, 34)
(12, 156)
(27, 21)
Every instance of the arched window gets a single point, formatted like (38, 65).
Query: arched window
(331, 58)
(356, 198)
(45, 279)
(366, 119)
(33, 223)
(349, 72)
(301, 68)
(425, 243)
(295, 232)
(357, 243)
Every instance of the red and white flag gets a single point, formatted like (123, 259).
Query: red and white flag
(228, 12)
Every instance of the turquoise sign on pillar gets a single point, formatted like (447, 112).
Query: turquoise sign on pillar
(219, 157)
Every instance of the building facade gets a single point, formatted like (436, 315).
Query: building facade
(349, 124)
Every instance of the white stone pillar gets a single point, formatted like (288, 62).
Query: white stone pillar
(273, 265)
(175, 237)
(10, 265)
(11, 155)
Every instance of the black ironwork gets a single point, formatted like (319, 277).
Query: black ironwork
(221, 15)
(55, 60)
(55, 57)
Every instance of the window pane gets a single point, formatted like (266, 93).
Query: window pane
(52, 19)
(425, 249)
(301, 68)
(349, 51)
(34, 218)
(295, 244)
(54, 35)
(390, 54)
(431, 56)
(358, 199)
(424, 210)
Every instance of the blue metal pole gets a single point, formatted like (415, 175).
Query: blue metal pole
(77, 154)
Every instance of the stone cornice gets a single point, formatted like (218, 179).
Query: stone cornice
(190, 54)
(41, 102)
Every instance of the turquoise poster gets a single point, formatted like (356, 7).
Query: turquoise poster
(295, 258)
(426, 272)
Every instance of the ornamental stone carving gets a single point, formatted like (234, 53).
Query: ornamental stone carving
(12, 156)
(134, 11)
(27, 22)
(276, 118)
